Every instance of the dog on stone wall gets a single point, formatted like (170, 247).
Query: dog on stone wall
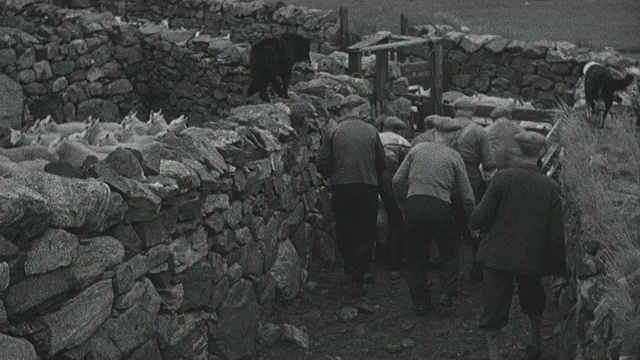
(272, 60)
(602, 82)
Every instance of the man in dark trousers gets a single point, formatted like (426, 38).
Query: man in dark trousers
(474, 146)
(396, 148)
(423, 185)
(522, 212)
(353, 158)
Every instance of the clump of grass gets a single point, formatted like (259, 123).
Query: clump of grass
(589, 175)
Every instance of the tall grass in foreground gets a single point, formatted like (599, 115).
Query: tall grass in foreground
(595, 185)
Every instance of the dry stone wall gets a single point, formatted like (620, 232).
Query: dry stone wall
(543, 72)
(75, 63)
(171, 250)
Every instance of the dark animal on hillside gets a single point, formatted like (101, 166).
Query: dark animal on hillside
(601, 82)
(272, 60)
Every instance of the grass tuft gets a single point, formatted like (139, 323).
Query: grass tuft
(601, 173)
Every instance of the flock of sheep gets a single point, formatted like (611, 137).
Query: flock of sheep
(46, 142)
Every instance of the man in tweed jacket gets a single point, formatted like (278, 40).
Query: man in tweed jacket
(522, 212)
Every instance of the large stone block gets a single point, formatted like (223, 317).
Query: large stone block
(302, 240)
(53, 249)
(250, 257)
(198, 284)
(94, 257)
(121, 334)
(287, 271)
(185, 176)
(79, 317)
(324, 247)
(128, 237)
(88, 205)
(24, 212)
(126, 164)
(36, 290)
(156, 231)
(14, 348)
(236, 331)
(188, 249)
(11, 102)
(127, 273)
(8, 251)
(99, 108)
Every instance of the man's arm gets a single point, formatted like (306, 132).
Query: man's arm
(556, 235)
(487, 158)
(486, 210)
(324, 160)
(400, 182)
(463, 187)
(381, 159)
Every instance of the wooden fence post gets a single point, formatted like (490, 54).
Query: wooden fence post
(437, 79)
(382, 79)
(344, 28)
(404, 24)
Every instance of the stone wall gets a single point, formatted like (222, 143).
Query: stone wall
(243, 21)
(542, 72)
(171, 249)
(76, 63)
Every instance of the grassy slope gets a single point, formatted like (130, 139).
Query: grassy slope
(594, 23)
(602, 173)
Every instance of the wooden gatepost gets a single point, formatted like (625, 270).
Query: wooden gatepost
(384, 45)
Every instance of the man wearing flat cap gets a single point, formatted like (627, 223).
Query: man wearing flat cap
(522, 213)
(428, 134)
(353, 158)
(475, 148)
(430, 173)
(391, 247)
(502, 136)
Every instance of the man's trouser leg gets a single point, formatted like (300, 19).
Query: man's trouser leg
(355, 211)
(418, 239)
(448, 241)
(345, 231)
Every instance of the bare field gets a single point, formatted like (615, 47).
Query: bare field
(591, 23)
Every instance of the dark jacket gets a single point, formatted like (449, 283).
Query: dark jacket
(522, 211)
(352, 154)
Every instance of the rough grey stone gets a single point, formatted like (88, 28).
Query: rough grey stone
(24, 213)
(79, 317)
(94, 257)
(8, 251)
(134, 327)
(106, 110)
(11, 102)
(237, 328)
(287, 271)
(20, 296)
(188, 249)
(53, 249)
(75, 203)
(15, 348)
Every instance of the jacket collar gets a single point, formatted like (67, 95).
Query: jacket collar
(526, 165)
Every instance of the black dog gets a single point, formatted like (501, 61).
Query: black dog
(273, 58)
(600, 82)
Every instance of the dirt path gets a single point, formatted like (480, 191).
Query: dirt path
(393, 330)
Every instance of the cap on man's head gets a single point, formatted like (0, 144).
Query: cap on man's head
(464, 103)
(446, 124)
(501, 111)
(530, 143)
(392, 122)
(428, 121)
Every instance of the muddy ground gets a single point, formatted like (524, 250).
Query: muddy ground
(387, 326)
